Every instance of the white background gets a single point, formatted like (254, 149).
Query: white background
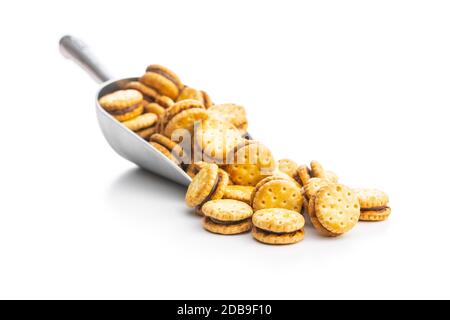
(362, 86)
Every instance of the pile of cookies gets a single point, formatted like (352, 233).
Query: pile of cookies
(237, 185)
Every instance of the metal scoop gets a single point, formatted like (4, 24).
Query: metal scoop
(124, 141)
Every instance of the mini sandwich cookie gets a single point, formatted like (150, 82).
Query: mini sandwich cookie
(123, 104)
(277, 192)
(183, 115)
(252, 162)
(374, 205)
(334, 210)
(143, 125)
(227, 216)
(278, 226)
(163, 80)
(208, 184)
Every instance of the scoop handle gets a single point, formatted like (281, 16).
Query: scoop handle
(75, 50)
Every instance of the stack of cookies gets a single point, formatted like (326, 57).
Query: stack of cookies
(237, 185)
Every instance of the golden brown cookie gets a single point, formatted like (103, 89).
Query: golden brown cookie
(165, 152)
(123, 104)
(374, 204)
(277, 193)
(167, 73)
(278, 226)
(227, 210)
(315, 222)
(231, 113)
(335, 208)
(208, 184)
(252, 162)
(143, 121)
(185, 120)
(163, 80)
(216, 139)
(178, 108)
(120, 100)
(241, 193)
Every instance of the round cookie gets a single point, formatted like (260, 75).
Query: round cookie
(121, 99)
(227, 216)
(374, 204)
(315, 222)
(166, 72)
(278, 226)
(143, 121)
(216, 139)
(185, 120)
(278, 193)
(208, 184)
(241, 193)
(163, 80)
(227, 210)
(336, 208)
(252, 163)
(123, 104)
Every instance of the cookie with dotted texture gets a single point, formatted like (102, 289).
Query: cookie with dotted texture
(336, 208)
(252, 162)
(374, 204)
(208, 184)
(278, 226)
(277, 193)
